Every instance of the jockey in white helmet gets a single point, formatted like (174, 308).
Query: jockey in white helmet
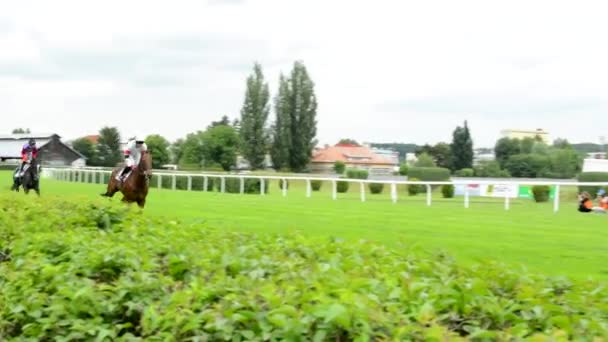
(133, 153)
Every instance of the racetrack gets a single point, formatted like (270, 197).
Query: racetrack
(530, 234)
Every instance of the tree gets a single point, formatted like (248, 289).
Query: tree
(281, 132)
(462, 148)
(505, 148)
(87, 149)
(296, 125)
(348, 142)
(561, 144)
(526, 145)
(159, 149)
(21, 131)
(425, 160)
(442, 153)
(225, 121)
(176, 150)
(564, 163)
(339, 167)
(528, 165)
(254, 115)
(219, 146)
(108, 146)
(191, 150)
(490, 168)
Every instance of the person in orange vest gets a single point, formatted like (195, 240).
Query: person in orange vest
(585, 205)
(602, 199)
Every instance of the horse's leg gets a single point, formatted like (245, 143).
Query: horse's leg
(141, 202)
(112, 185)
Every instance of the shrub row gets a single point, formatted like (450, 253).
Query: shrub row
(99, 271)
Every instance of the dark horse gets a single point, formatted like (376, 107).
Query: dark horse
(30, 179)
(135, 187)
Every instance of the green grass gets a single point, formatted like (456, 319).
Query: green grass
(530, 234)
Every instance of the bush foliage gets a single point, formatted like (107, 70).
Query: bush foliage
(102, 271)
(447, 190)
(541, 193)
(592, 177)
(357, 174)
(316, 185)
(376, 188)
(429, 173)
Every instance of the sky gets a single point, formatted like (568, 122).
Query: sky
(384, 71)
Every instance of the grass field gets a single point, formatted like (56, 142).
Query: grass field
(529, 235)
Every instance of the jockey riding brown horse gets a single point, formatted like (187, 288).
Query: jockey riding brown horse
(135, 187)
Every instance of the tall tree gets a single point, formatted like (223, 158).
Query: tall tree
(21, 131)
(225, 121)
(108, 146)
(442, 153)
(191, 150)
(462, 148)
(159, 149)
(87, 149)
(254, 115)
(176, 150)
(281, 132)
(296, 125)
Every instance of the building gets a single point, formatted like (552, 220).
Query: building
(355, 157)
(521, 134)
(52, 151)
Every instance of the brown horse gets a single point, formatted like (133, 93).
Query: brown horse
(135, 187)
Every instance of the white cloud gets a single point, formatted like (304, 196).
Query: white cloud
(385, 70)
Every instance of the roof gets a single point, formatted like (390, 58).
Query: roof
(11, 144)
(350, 154)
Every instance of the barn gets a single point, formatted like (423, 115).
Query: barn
(53, 152)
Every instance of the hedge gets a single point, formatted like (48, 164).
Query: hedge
(429, 173)
(592, 177)
(102, 271)
(357, 174)
(376, 188)
(316, 185)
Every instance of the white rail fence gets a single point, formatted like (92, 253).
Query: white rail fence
(96, 176)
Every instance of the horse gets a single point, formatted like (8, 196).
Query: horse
(135, 187)
(30, 179)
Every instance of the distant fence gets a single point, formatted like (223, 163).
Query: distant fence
(99, 176)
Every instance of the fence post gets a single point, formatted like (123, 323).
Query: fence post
(394, 192)
(334, 191)
(223, 187)
(284, 187)
(189, 183)
(205, 183)
(507, 198)
(466, 197)
(173, 182)
(428, 195)
(242, 188)
(262, 186)
(308, 188)
(556, 199)
(362, 186)
(159, 181)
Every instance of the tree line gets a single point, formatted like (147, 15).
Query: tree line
(289, 140)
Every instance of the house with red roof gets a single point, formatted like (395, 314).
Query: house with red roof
(355, 157)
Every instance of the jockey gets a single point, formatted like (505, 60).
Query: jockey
(29, 151)
(133, 153)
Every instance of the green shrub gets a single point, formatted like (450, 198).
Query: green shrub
(403, 169)
(541, 193)
(342, 186)
(376, 188)
(447, 190)
(429, 173)
(465, 173)
(339, 167)
(250, 186)
(414, 189)
(110, 273)
(592, 177)
(490, 168)
(316, 185)
(357, 174)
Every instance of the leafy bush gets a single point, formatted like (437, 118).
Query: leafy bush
(90, 271)
(541, 193)
(376, 188)
(403, 168)
(414, 189)
(465, 173)
(250, 186)
(342, 186)
(339, 167)
(357, 174)
(447, 190)
(490, 168)
(316, 185)
(528, 165)
(592, 177)
(425, 160)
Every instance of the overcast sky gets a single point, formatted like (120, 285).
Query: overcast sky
(404, 71)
